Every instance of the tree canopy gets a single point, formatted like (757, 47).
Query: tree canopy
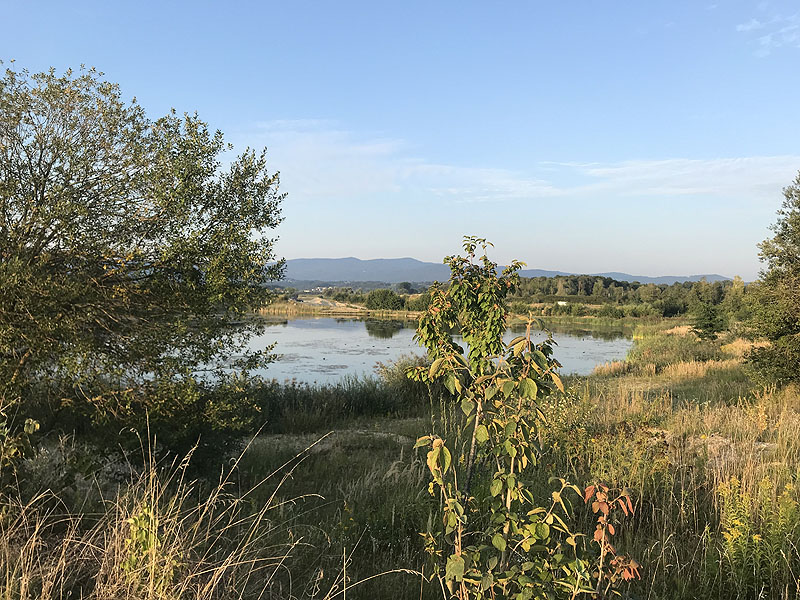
(775, 298)
(127, 247)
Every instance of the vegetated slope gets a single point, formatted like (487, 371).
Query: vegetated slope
(395, 270)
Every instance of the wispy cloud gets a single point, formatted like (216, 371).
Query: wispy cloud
(751, 25)
(319, 160)
(363, 194)
(753, 178)
(777, 31)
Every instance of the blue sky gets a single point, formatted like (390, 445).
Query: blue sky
(646, 137)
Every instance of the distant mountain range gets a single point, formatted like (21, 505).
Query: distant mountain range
(395, 270)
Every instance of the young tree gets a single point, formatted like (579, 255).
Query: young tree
(126, 250)
(774, 299)
(707, 320)
(497, 538)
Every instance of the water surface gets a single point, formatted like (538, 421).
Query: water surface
(323, 349)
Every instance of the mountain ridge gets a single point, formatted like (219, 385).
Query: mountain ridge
(395, 270)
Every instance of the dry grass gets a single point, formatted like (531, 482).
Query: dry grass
(611, 369)
(697, 369)
(682, 438)
(160, 538)
(327, 308)
(739, 347)
(678, 330)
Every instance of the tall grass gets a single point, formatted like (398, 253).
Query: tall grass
(159, 537)
(163, 537)
(300, 407)
(713, 460)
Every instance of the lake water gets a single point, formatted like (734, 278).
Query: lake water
(322, 350)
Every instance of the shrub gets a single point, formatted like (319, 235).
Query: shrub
(663, 350)
(384, 299)
(419, 302)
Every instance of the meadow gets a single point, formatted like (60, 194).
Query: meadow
(330, 498)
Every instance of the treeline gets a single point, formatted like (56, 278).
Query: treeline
(576, 295)
(382, 299)
(607, 297)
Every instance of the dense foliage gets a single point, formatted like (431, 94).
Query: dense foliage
(126, 254)
(383, 299)
(496, 537)
(775, 298)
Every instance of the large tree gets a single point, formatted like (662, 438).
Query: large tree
(775, 298)
(127, 250)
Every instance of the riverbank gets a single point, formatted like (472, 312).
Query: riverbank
(319, 306)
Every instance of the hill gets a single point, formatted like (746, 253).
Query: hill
(395, 270)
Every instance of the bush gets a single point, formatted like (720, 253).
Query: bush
(384, 299)
(663, 350)
(419, 302)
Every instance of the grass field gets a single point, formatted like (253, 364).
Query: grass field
(329, 501)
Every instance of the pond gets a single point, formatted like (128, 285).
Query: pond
(322, 350)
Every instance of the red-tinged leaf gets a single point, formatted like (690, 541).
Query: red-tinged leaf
(623, 506)
(595, 506)
(604, 508)
(588, 493)
(611, 529)
(630, 504)
(598, 535)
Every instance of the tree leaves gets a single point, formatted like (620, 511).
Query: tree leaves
(505, 442)
(128, 254)
(499, 542)
(454, 569)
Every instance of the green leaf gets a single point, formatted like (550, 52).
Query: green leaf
(454, 571)
(508, 388)
(481, 434)
(515, 341)
(496, 487)
(542, 531)
(466, 406)
(447, 459)
(499, 542)
(528, 388)
(487, 581)
(433, 458)
(450, 383)
(435, 367)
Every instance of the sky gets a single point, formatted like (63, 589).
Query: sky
(652, 138)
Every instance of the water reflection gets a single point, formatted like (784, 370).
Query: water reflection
(323, 349)
(608, 333)
(385, 330)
